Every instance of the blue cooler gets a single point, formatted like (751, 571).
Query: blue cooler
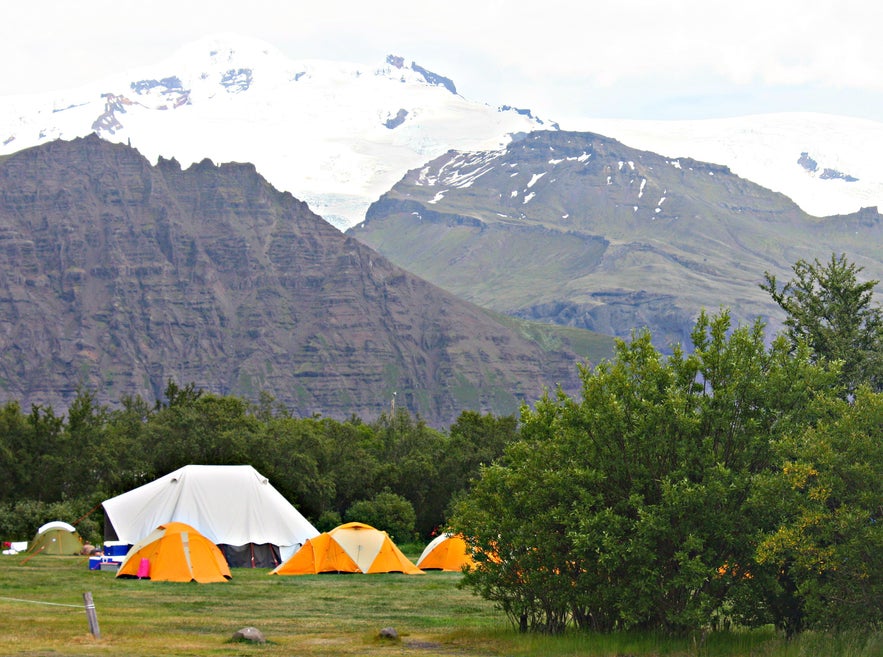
(94, 563)
(116, 549)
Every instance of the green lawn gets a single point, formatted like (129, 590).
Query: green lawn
(312, 616)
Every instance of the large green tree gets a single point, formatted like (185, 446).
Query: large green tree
(829, 308)
(16, 453)
(202, 429)
(630, 507)
(473, 440)
(408, 453)
(297, 456)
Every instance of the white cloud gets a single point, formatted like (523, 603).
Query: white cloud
(558, 57)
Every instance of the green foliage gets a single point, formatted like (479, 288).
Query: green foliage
(830, 542)
(831, 311)
(407, 453)
(328, 520)
(387, 512)
(178, 396)
(204, 429)
(297, 457)
(16, 457)
(630, 507)
(20, 520)
(474, 440)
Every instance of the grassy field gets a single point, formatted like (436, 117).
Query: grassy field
(313, 616)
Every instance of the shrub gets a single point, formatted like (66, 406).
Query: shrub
(388, 512)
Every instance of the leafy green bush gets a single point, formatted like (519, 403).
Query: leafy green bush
(328, 521)
(388, 512)
(19, 521)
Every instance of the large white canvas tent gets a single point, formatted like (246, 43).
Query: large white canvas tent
(234, 506)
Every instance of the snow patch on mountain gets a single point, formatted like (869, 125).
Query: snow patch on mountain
(335, 134)
(826, 164)
(339, 134)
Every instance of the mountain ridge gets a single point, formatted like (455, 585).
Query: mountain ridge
(119, 275)
(331, 134)
(826, 164)
(579, 229)
(234, 99)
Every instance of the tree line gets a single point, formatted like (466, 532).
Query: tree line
(395, 472)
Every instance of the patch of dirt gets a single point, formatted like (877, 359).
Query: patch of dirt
(424, 645)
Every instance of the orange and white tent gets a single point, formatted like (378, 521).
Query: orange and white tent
(446, 552)
(175, 552)
(350, 548)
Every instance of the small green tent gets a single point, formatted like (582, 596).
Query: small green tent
(56, 537)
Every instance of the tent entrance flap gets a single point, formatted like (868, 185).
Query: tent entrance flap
(251, 555)
(110, 534)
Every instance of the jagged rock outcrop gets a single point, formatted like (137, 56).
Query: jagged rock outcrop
(118, 275)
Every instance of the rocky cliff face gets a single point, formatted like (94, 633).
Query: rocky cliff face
(118, 276)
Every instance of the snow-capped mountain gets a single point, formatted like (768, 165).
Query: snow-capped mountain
(338, 135)
(826, 164)
(334, 134)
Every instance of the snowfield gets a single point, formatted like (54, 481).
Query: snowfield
(339, 134)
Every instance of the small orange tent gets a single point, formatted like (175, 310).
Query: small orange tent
(175, 552)
(445, 552)
(350, 548)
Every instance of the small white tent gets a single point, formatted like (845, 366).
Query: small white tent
(234, 506)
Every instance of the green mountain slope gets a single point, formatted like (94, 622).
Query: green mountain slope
(579, 229)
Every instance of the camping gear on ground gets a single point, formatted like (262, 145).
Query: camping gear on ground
(445, 552)
(56, 537)
(235, 506)
(350, 548)
(14, 547)
(99, 562)
(175, 552)
(117, 549)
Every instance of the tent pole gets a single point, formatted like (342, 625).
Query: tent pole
(42, 547)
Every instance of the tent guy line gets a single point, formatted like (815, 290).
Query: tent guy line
(40, 602)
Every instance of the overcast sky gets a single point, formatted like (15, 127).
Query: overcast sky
(648, 59)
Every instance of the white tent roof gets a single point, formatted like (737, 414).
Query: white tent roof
(433, 544)
(57, 524)
(229, 504)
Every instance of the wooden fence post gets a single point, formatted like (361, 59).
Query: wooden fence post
(91, 615)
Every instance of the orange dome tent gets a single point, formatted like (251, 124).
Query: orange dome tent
(350, 548)
(176, 552)
(445, 552)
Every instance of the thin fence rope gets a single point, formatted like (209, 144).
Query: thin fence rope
(40, 602)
